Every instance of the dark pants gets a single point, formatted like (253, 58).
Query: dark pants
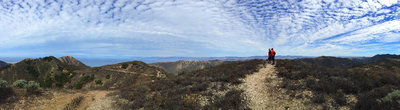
(273, 59)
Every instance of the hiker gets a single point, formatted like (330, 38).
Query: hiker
(269, 55)
(273, 53)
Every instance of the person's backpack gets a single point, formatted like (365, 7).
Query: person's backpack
(273, 52)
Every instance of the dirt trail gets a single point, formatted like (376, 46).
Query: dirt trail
(92, 100)
(262, 91)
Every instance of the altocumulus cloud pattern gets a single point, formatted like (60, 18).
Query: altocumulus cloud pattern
(198, 27)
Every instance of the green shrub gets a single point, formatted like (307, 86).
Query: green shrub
(32, 70)
(20, 83)
(78, 85)
(47, 81)
(369, 100)
(99, 82)
(33, 87)
(5, 91)
(49, 58)
(61, 79)
(108, 76)
(391, 100)
(3, 83)
(125, 65)
(85, 79)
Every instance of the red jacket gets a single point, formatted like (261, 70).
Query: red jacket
(269, 53)
(273, 52)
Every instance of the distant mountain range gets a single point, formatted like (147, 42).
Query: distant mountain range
(95, 62)
(3, 64)
(186, 66)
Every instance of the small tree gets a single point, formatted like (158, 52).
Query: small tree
(20, 83)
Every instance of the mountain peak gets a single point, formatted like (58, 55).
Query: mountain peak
(69, 60)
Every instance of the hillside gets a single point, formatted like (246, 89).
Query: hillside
(186, 66)
(208, 88)
(3, 64)
(308, 83)
(333, 85)
(121, 75)
(67, 72)
(40, 70)
(377, 58)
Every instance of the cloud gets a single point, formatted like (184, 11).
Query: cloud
(195, 28)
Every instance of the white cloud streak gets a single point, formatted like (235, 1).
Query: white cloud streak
(196, 27)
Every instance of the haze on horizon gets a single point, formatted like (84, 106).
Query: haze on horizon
(198, 28)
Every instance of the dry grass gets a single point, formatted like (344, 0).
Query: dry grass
(74, 103)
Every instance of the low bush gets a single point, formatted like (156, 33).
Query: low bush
(49, 58)
(391, 100)
(5, 91)
(33, 88)
(124, 66)
(78, 85)
(3, 83)
(20, 83)
(99, 82)
(33, 71)
(62, 79)
(108, 76)
(47, 81)
(370, 100)
(85, 79)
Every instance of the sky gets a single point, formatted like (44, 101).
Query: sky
(198, 28)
